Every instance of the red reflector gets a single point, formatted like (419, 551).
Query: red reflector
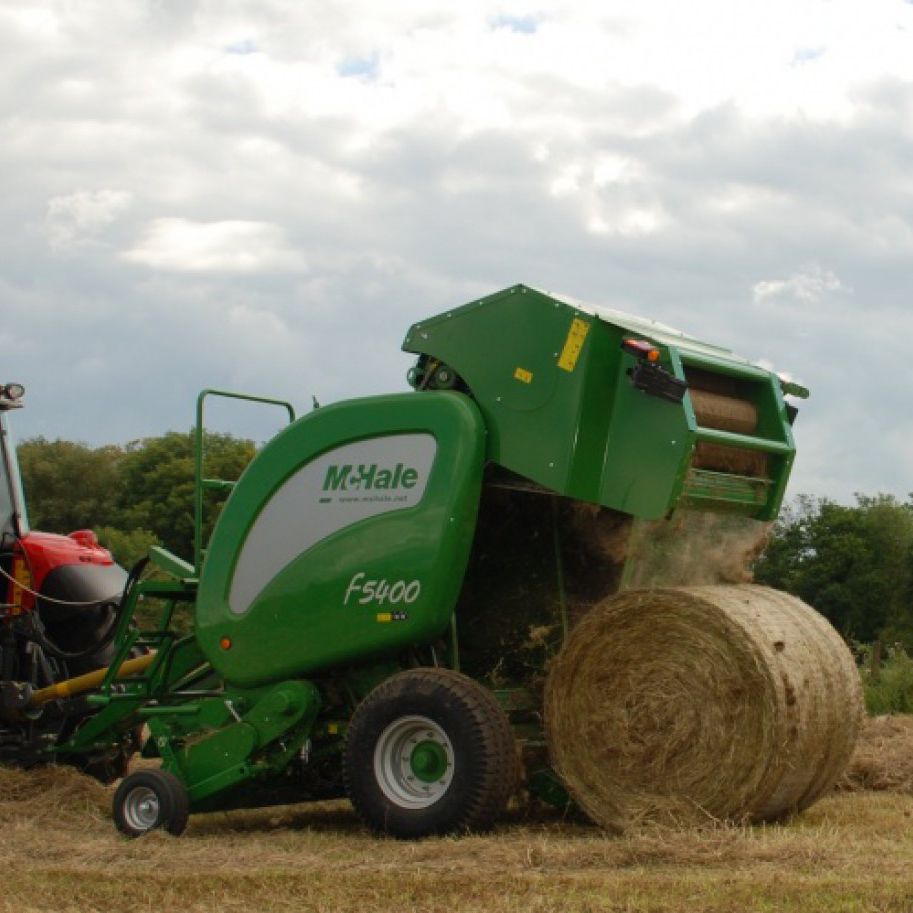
(225, 643)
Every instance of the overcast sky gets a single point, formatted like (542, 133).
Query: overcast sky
(264, 195)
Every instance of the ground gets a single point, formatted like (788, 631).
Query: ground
(853, 851)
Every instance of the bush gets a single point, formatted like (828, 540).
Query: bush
(889, 686)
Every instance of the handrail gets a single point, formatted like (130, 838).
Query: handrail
(200, 484)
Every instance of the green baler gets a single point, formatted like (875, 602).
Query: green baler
(324, 656)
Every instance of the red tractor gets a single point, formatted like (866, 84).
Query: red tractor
(59, 599)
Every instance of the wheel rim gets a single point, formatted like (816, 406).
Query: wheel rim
(413, 762)
(141, 808)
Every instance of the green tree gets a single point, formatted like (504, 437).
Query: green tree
(69, 485)
(127, 547)
(133, 496)
(157, 475)
(852, 563)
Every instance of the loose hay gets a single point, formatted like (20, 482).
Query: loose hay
(682, 704)
(883, 759)
(509, 612)
(694, 548)
(53, 794)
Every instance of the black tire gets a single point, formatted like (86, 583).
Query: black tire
(429, 751)
(150, 799)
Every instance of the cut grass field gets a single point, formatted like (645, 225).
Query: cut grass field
(853, 851)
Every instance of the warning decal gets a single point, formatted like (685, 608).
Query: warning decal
(573, 344)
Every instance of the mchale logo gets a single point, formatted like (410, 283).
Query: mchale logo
(369, 478)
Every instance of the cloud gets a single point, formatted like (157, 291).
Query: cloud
(80, 217)
(525, 25)
(234, 246)
(294, 184)
(810, 285)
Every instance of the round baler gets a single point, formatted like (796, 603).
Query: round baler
(391, 578)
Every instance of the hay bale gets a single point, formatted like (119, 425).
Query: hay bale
(679, 704)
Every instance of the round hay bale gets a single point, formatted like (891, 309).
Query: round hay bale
(688, 703)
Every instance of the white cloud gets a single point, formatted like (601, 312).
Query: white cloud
(80, 217)
(234, 246)
(633, 222)
(332, 172)
(810, 285)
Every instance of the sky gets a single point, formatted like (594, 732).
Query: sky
(263, 195)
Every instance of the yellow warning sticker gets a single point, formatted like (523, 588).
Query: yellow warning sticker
(576, 336)
(523, 375)
(384, 616)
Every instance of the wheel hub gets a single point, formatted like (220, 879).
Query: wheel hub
(141, 808)
(413, 762)
(429, 761)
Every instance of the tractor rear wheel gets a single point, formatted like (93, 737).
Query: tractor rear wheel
(150, 799)
(429, 751)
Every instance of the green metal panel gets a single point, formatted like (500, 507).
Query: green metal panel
(346, 538)
(552, 381)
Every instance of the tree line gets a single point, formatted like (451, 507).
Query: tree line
(133, 496)
(853, 563)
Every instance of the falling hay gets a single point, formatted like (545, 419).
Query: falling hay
(694, 548)
(722, 702)
(509, 613)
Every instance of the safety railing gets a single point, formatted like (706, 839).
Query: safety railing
(202, 485)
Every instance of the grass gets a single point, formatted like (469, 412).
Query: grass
(851, 852)
(889, 686)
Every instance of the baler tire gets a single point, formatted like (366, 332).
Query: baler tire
(462, 764)
(167, 805)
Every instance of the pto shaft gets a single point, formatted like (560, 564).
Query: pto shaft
(87, 682)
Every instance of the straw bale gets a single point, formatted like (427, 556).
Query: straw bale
(683, 704)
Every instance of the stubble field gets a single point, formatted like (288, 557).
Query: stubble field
(853, 851)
